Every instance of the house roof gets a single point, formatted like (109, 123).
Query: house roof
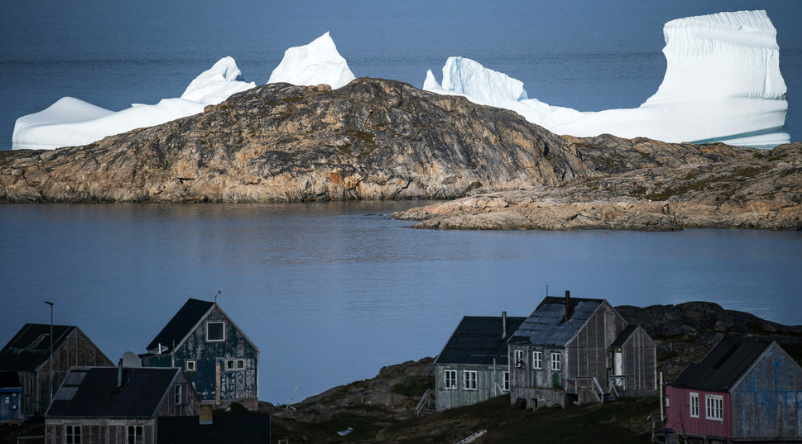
(477, 340)
(547, 324)
(723, 366)
(181, 324)
(90, 392)
(9, 379)
(30, 347)
(624, 336)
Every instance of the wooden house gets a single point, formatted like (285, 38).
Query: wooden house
(473, 364)
(572, 350)
(28, 354)
(217, 357)
(10, 396)
(116, 405)
(744, 390)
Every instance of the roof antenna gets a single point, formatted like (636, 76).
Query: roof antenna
(215, 297)
(547, 290)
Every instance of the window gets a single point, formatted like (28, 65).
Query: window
(519, 358)
(537, 359)
(667, 402)
(191, 365)
(694, 405)
(72, 433)
(556, 361)
(135, 435)
(469, 379)
(235, 364)
(215, 331)
(451, 379)
(714, 407)
(178, 395)
(506, 381)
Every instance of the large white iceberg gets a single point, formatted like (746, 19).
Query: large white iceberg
(313, 64)
(72, 122)
(722, 83)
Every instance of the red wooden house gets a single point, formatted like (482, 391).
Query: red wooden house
(743, 390)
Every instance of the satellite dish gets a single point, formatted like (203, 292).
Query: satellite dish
(131, 360)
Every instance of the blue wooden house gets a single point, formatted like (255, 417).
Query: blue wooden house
(218, 359)
(744, 390)
(28, 355)
(10, 398)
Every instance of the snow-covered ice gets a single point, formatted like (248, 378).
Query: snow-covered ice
(722, 83)
(73, 122)
(313, 64)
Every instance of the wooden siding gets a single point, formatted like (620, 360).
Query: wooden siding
(99, 431)
(236, 385)
(189, 400)
(639, 355)
(76, 351)
(767, 403)
(679, 416)
(485, 383)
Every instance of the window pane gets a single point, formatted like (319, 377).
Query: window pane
(215, 331)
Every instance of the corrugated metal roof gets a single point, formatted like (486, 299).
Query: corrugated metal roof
(30, 347)
(547, 324)
(92, 393)
(181, 324)
(723, 366)
(477, 340)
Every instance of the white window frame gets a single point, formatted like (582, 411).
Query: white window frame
(179, 394)
(714, 407)
(224, 331)
(519, 359)
(138, 435)
(693, 401)
(190, 365)
(72, 434)
(537, 360)
(450, 379)
(556, 361)
(469, 381)
(506, 386)
(235, 364)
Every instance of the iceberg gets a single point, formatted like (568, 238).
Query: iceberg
(313, 64)
(73, 122)
(722, 83)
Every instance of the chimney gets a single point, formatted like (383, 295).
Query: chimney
(120, 374)
(503, 325)
(567, 304)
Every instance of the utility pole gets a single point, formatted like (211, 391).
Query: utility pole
(51, 352)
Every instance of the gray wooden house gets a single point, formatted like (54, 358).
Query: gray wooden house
(473, 364)
(744, 390)
(574, 350)
(28, 354)
(116, 405)
(217, 357)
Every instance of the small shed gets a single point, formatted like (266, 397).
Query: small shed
(473, 364)
(28, 354)
(219, 360)
(743, 390)
(116, 405)
(10, 398)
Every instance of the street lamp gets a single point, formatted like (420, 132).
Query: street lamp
(51, 351)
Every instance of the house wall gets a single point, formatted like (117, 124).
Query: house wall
(99, 431)
(189, 405)
(679, 419)
(235, 385)
(639, 356)
(10, 408)
(530, 383)
(77, 350)
(485, 383)
(767, 403)
(589, 351)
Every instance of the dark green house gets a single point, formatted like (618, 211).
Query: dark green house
(219, 360)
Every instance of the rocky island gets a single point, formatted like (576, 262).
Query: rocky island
(382, 139)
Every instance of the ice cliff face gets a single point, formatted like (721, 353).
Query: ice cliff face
(73, 122)
(723, 83)
(313, 64)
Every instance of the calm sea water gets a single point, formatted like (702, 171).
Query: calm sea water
(584, 54)
(331, 292)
